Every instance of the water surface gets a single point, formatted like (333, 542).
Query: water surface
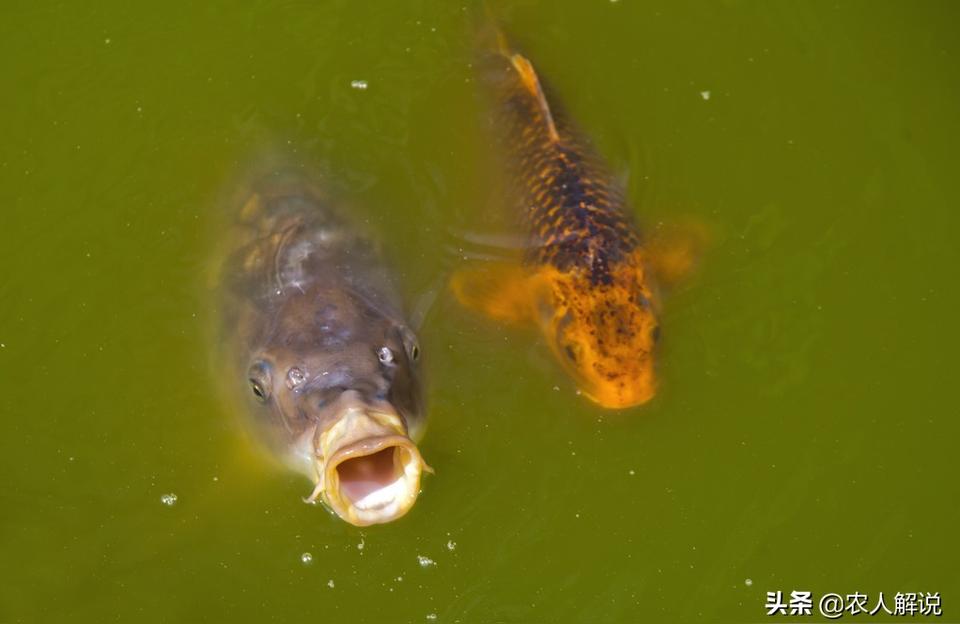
(804, 434)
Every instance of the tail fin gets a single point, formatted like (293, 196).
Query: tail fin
(489, 36)
(492, 40)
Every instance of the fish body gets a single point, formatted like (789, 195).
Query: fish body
(315, 341)
(585, 279)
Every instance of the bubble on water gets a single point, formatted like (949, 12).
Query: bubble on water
(358, 84)
(425, 562)
(451, 545)
(632, 472)
(748, 582)
(431, 616)
(330, 584)
(169, 499)
(361, 544)
(306, 558)
(705, 95)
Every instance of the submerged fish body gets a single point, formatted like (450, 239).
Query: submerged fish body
(585, 281)
(315, 342)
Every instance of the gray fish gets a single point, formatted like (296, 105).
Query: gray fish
(315, 340)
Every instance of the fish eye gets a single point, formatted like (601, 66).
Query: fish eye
(571, 352)
(259, 379)
(410, 345)
(258, 390)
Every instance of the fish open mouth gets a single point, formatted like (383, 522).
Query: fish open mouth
(375, 480)
(369, 478)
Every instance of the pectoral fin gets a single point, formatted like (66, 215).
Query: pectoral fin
(675, 249)
(500, 291)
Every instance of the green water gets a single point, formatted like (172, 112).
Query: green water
(804, 434)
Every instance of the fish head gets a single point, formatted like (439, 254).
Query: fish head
(604, 335)
(341, 389)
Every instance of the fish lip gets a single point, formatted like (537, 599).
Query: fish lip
(638, 394)
(388, 509)
(368, 446)
(385, 431)
(619, 403)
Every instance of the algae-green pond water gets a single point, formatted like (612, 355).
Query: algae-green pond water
(804, 433)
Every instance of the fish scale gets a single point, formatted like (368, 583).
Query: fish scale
(577, 216)
(584, 280)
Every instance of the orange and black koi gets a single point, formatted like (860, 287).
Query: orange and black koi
(586, 278)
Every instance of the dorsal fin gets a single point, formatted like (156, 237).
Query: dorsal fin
(528, 76)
